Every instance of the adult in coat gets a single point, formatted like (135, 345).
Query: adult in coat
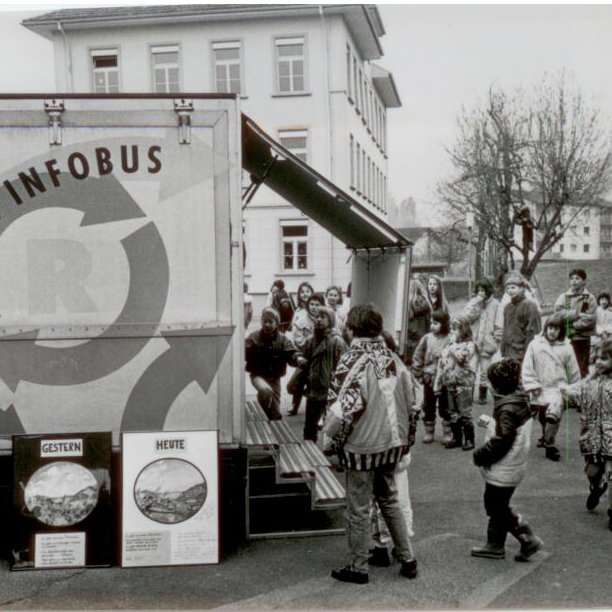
(419, 317)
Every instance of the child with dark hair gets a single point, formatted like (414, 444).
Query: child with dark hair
(503, 462)
(435, 294)
(333, 298)
(455, 376)
(603, 324)
(593, 396)
(549, 361)
(424, 367)
(283, 304)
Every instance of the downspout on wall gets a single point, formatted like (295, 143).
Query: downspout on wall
(67, 56)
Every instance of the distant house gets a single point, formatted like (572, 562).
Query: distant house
(423, 258)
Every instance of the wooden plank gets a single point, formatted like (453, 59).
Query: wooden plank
(283, 432)
(315, 454)
(259, 433)
(294, 462)
(328, 492)
(254, 411)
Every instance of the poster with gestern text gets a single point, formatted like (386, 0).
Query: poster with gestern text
(170, 498)
(62, 501)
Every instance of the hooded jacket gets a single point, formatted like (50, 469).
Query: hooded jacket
(426, 356)
(546, 365)
(503, 457)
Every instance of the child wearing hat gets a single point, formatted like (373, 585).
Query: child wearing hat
(522, 319)
(267, 353)
(549, 362)
(503, 462)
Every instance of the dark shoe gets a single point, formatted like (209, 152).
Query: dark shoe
(488, 551)
(291, 413)
(540, 443)
(346, 574)
(409, 569)
(380, 556)
(453, 444)
(530, 544)
(552, 453)
(594, 495)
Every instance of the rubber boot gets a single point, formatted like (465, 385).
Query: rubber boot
(430, 428)
(530, 543)
(448, 433)
(456, 441)
(550, 434)
(468, 436)
(493, 549)
(482, 394)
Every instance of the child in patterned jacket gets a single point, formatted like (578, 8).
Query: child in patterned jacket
(455, 376)
(593, 397)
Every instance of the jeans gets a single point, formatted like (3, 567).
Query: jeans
(429, 404)
(361, 486)
(582, 350)
(460, 405)
(271, 405)
(314, 412)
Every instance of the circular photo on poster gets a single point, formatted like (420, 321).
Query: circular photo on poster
(61, 493)
(170, 490)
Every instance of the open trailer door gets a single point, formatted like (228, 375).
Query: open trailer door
(381, 255)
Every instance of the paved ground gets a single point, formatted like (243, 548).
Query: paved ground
(293, 573)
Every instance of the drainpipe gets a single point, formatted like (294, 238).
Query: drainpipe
(330, 134)
(67, 56)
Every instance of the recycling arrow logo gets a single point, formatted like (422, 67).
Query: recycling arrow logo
(103, 199)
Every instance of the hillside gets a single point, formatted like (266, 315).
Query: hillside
(551, 278)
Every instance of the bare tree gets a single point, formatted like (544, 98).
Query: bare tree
(528, 161)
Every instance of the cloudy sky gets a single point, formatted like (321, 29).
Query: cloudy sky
(441, 56)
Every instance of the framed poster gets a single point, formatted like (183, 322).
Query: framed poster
(170, 498)
(62, 501)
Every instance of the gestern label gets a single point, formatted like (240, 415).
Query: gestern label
(61, 448)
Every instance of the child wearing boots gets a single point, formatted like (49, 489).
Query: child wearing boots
(593, 396)
(503, 462)
(424, 367)
(549, 361)
(455, 377)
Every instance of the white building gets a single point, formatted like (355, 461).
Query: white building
(305, 73)
(582, 239)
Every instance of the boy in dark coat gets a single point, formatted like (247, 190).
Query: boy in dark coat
(267, 353)
(503, 463)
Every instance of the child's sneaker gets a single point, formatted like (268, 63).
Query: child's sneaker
(379, 556)
(595, 494)
(346, 574)
(552, 453)
(530, 544)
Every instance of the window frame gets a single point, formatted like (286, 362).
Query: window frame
(156, 49)
(239, 44)
(294, 240)
(103, 52)
(304, 42)
(296, 132)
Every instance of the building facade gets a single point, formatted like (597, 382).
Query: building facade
(305, 73)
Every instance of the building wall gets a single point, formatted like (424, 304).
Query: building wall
(582, 239)
(330, 111)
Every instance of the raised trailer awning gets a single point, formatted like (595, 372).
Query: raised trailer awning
(270, 163)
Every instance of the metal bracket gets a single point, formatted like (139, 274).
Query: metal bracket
(184, 108)
(54, 109)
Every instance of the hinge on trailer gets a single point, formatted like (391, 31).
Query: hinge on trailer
(184, 108)
(54, 109)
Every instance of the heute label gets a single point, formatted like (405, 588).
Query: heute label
(61, 448)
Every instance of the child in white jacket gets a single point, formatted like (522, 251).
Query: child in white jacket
(549, 362)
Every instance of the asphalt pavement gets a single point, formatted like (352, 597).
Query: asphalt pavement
(572, 571)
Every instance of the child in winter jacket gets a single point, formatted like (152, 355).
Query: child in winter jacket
(603, 325)
(424, 367)
(455, 376)
(503, 463)
(593, 396)
(549, 361)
